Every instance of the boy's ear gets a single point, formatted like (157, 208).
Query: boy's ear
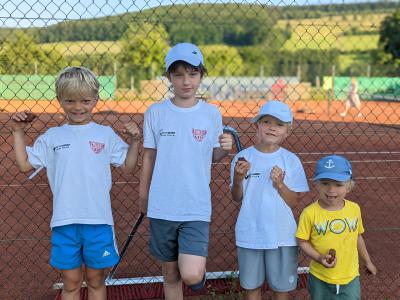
(289, 128)
(350, 186)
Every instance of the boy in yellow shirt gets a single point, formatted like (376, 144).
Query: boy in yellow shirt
(329, 232)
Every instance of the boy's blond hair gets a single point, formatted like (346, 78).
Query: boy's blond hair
(351, 184)
(77, 81)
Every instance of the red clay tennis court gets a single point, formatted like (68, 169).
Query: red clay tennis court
(371, 143)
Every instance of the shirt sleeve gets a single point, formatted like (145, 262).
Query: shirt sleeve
(38, 153)
(232, 171)
(305, 225)
(149, 140)
(296, 179)
(360, 223)
(118, 151)
(218, 128)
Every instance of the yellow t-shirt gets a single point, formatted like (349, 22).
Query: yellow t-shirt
(337, 230)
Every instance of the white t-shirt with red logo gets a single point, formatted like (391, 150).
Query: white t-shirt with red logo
(77, 159)
(184, 139)
(265, 221)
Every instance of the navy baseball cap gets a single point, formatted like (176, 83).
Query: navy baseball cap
(333, 167)
(186, 52)
(276, 109)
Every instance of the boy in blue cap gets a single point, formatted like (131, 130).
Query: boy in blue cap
(182, 137)
(329, 232)
(267, 179)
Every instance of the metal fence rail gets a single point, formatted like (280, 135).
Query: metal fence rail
(305, 53)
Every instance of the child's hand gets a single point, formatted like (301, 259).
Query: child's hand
(332, 254)
(241, 168)
(371, 269)
(132, 129)
(328, 260)
(21, 119)
(277, 176)
(226, 141)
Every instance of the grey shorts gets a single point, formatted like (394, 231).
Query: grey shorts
(169, 238)
(276, 266)
(321, 290)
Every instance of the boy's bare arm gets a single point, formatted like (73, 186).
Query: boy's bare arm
(363, 253)
(226, 142)
(237, 191)
(290, 197)
(309, 250)
(241, 168)
(19, 122)
(133, 151)
(149, 158)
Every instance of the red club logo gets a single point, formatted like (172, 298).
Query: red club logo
(96, 147)
(199, 134)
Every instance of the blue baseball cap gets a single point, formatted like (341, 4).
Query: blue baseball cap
(333, 167)
(186, 52)
(276, 109)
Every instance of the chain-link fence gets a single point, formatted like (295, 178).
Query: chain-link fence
(309, 54)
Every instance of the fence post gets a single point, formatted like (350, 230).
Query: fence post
(333, 90)
(115, 74)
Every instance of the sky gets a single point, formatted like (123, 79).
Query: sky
(38, 13)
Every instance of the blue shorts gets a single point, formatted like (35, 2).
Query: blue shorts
(169, 238)
(74, 244)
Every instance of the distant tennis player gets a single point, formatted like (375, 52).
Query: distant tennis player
(353, 99)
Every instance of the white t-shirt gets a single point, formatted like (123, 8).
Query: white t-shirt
(265, 221)
(78, 159)
(184, 139)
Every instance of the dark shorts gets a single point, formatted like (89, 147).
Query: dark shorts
(321, 290)
(170, 238)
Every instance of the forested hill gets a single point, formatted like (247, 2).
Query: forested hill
(231, 24)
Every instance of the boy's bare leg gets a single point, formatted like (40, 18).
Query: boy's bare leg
(281, 296)
(358, 106)
(172, 281)
(95, 283)
(347, 107)
(253, 294)
(72, 280)
(192, 269)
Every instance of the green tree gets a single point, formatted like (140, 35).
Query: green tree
(20, 54)
(389, 38)
(258, 60)
(221, 60)
(99, 63)
(312, 63)
(143, 49)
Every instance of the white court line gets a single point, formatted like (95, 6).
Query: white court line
(349, 152)
(215, 180)
(361, 161)
(158, 279)
(341, 152)
(46, 184)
